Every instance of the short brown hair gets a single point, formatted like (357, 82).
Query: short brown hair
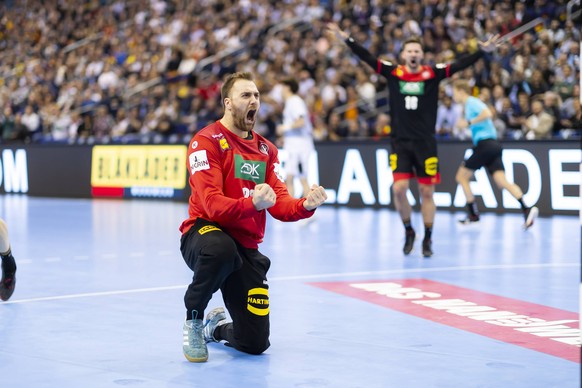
(461, 84)
(230, 80)
(412, 39)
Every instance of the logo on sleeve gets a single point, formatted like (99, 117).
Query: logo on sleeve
(277, 171)
(249, 170)
(198, 161)
(264, 148)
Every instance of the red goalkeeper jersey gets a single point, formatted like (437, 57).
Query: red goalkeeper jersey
(224, 170)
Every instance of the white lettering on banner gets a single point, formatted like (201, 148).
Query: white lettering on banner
(480, 187)
(385, 177)
(14, 171)
(560, 178)
(534, 177)
(354, 179)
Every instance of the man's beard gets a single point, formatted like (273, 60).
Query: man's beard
(242, 123)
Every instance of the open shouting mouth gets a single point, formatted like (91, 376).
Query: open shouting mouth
(251, 116)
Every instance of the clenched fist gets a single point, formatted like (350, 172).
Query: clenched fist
(263, 197)
(315, 197)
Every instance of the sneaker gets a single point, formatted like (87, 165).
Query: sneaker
(214, 318)
(8, 282)
(427, 247)
(470, 219)
(409, 241)
(194, 346)
(530, 216)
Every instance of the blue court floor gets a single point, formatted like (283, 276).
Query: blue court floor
(99, 301)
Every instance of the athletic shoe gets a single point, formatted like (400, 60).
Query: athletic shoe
(409, 241)
(530, 215)
(8, 282)
(470, 219)
(194, 346)
(427, 247)
(214, 318)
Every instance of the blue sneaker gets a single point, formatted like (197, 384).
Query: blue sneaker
(194, 346)
(214, 318)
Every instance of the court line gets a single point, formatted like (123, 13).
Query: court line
(299, 277)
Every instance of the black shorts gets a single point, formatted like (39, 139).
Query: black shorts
(415, 158)
(486, 153)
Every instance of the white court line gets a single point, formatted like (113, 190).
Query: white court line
(92, 294)
(300, 277)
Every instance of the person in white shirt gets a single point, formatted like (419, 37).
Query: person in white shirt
(297, 133)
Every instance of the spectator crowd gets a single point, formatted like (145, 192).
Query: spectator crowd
(101, 71)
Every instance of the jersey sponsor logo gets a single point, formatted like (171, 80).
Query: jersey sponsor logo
(264, 148)
(412, 88)
(199, 161)
(258, 301)
(218, 136)
(208, 228)
(224, 144)
(249, 170)
(431, 165)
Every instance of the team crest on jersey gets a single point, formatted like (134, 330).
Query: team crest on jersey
(425, 74)
(249, 170)
(264, 148)
(194, 144)
(198, 161)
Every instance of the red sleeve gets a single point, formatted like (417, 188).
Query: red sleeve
(207, 179)
(286, 208)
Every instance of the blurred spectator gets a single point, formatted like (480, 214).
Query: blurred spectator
(574, 121)
(8, 127)
(539, 124)
(102, 124)
(447, 115)
(31, 120)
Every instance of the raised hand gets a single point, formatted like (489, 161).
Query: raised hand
(334, 33)
(263, 196)
(490, 44)
(315, 197)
